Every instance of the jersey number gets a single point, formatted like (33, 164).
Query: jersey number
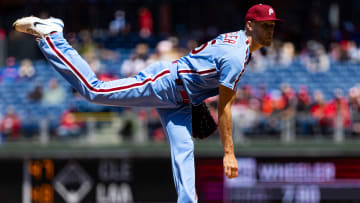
(202, 47)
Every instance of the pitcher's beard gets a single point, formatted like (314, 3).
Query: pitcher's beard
(266, 43)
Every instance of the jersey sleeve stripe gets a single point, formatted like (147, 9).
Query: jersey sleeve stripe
(94, 89)
(203, 72)
(238, 79)
(243, 70)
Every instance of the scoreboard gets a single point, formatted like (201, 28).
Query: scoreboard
(86, 180)
(120, 180)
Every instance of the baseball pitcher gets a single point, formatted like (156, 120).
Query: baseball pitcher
(177, 90)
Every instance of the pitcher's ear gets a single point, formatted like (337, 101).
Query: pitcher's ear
(249, 25)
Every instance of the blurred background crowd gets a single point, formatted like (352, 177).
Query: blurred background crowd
(308, 78)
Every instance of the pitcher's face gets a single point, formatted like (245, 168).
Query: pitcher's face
(263, 32)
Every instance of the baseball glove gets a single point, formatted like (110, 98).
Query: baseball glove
(203, 124)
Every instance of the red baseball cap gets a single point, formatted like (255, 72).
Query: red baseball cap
(261, 12)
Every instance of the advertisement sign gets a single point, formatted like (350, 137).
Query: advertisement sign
(310, 180)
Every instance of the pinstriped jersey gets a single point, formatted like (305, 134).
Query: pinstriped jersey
(219, 61)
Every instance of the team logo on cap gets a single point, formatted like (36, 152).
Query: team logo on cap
(271, 11)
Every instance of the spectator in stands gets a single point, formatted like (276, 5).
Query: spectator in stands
(130, 124)
(164, 52)
(314, 57)
(136, 62)
(69, 126)
(93, 60)
(287, 108)
(354, 52)
(354, 107)
(277, 107)
(335, 52)
(145, 22)
(93, 53)
(54, 94)
(36, 94)
(26, 69)
(318, 111)
(9, 73)
(118, 23)
(288, 100)
(10, 124)
(258, 62)
(339, 51)
(265, 108)
(287, 54)
(246, 115)
(338, 111)
(267, 104)
(155, 129)
(271, 109)
(87, 43)
(273, 53)
(243, 95)
(260, 93)
(304, 121)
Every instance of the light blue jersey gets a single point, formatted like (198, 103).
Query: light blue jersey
(220, 61)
